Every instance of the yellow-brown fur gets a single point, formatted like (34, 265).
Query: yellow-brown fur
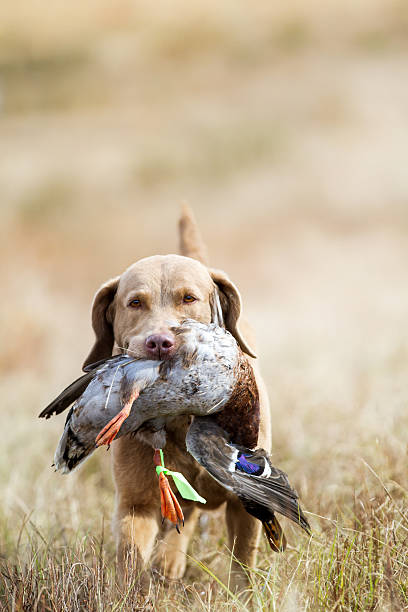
(161, 280)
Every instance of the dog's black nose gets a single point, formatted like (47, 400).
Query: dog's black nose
(160, 346)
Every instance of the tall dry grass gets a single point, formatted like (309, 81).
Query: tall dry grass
(285, 127)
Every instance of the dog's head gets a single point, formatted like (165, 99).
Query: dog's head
(136, 311)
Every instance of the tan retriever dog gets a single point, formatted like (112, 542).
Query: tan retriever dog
(134, 312)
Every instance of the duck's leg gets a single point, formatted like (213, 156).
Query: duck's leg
(170, 508)
(110, 431)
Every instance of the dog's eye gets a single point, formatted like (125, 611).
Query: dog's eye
(188, 299)
(135, 303)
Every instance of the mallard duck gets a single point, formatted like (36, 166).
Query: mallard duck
(262, 488)
(209, 378)
(200, 379)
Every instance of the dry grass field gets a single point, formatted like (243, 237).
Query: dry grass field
(286, 129)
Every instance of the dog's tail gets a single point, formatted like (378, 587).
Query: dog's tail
(191, 243)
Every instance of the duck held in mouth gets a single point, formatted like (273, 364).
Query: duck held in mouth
(199, 380)
(208, 378)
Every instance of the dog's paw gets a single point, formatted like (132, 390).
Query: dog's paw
(170, 562)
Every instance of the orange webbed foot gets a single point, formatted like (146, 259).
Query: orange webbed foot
(170, 508)
(111, 429)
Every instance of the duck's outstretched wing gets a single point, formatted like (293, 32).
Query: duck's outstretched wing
(262, 488)
(75, 389)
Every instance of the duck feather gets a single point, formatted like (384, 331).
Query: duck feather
(262, 494)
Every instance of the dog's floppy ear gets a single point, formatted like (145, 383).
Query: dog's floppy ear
(102, 322)
(230, 300)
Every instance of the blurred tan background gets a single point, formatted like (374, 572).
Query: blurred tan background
(286, 129)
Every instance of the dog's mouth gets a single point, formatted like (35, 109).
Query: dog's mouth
(178, 338)
(163, 355)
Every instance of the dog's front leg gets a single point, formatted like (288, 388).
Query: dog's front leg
(172, 550)
(135, 532)
(137, 516)
(243, 535)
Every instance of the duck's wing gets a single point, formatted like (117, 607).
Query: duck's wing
(208, 444)
(76, 388)
(67, 396)
(272, 492)
(96, 365)
(262, 488)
